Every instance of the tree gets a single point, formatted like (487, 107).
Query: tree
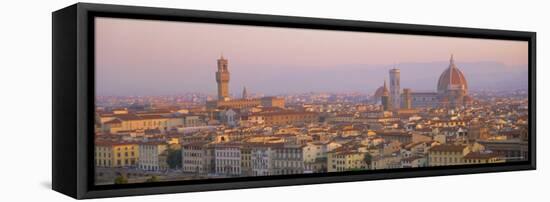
(174, 158)
(368, 159)
(121, 180)
(153, 178)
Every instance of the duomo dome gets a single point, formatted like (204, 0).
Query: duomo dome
(452, 79)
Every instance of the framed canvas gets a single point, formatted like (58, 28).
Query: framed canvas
(157, 100)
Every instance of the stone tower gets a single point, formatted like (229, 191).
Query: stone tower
(245, 94)
(406, 99)
(222, 78)
(386, 99)
(395, 88)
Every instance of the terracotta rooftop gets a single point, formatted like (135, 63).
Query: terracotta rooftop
(448, 148)
(478, 155)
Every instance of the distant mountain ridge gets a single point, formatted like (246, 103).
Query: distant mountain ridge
(485, 75)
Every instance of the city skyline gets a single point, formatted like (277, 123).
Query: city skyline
(428, 109)
(163, 68)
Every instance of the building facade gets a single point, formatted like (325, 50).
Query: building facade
(228, 159)
(483, 158)
(149, 153)
(314, 150)
(261, 157)
(114, 123)
(116, 154)
(247, 103)
(447, 154)
(195, 157)
(287, 159)
(344, 159)
(288, 117)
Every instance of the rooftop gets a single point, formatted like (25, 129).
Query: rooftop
(448, 148)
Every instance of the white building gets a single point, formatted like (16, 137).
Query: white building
(287, 159)
(314, 150)
(149, 156)
(227, 158)
(194, 157)
(230, 117)
(193, 121)
(261, 160)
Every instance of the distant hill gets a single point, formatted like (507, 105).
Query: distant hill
(366, 78)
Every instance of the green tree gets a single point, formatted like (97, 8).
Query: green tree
(368, 159)
(121, 180)
(174, 158)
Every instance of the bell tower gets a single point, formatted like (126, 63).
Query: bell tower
(222, 78)
(395, 88)
(245, 93)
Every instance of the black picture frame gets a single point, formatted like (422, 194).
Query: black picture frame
(73, 99)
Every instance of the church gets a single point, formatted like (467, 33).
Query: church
(452, 91)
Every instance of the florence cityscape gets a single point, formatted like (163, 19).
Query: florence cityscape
(390, 121)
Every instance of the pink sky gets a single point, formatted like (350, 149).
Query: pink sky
(145, 55)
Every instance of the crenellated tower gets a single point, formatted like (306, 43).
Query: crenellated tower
(222, 78)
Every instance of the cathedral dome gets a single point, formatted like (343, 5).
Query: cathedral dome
(379, 92)
(382, 91)
(452, 79)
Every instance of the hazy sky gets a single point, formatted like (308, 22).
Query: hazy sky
(146, 57)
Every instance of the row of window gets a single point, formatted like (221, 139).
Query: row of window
(228, 154)
(287, 172)
(149, 167)
(341, 162)
(227, 162)
(192, 154)
(446, 159)
(145, 123)
(288, 164)
(228, 169)
(148, 161)
(290, 117)
(476, 161)
(107, 163)
(195, 162)
(193, 168)
(118, 154)
(445, 153)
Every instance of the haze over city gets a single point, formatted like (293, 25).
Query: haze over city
(185, 101)
(145, 57)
